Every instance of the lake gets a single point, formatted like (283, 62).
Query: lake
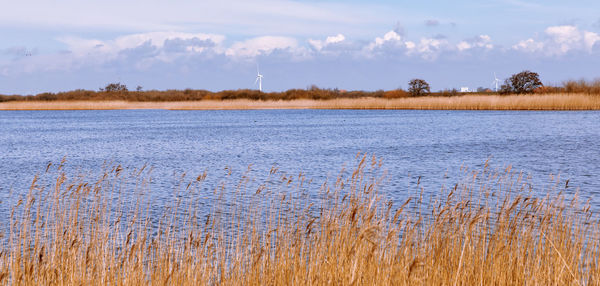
(432, 145)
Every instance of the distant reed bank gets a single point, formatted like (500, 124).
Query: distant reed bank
(492, 228)
(463, 102)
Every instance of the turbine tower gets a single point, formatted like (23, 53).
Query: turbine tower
(495, 82)
(259, 78)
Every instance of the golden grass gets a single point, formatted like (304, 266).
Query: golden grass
(465, 102)
(489, 230)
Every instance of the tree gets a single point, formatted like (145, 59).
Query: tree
(418, 87)
(114, 87)
(523, 82)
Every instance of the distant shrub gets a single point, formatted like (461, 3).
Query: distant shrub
(395, 93)
(447, 92)
(47, 96)
(582, 86)
(418, 87)
(114, 87)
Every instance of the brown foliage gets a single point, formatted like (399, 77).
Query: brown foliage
(396, 93)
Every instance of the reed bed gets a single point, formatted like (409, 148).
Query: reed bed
(489, 229)
(465, 102)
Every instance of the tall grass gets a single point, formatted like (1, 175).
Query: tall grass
(472, 102)
(490, 229)
(465, 102)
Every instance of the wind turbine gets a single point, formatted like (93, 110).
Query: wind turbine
(259, 78)
(495, 82)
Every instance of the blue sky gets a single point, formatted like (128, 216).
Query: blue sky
(366, 45)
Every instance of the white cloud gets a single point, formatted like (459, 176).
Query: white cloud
(481, 41)
(590, 39)
(560, 40)
(110, 48)
(391, 40)
(393, 43)
(389, 37)
(463, 46)
(564, 34)
(565, 38)
(261, 46)
(335, 39)
(410, 45)
(529, 45)
(429, 48)
(319, 45)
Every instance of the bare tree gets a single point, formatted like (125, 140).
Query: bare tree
(418, 87)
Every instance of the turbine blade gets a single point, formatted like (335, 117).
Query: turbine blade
(256, 80)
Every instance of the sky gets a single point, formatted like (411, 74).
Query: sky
(53, 46)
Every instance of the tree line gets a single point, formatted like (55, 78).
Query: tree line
(519, 83)
(525, 82)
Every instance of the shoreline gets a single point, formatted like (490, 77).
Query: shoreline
(464, 102)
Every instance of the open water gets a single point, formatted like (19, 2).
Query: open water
(432, 145)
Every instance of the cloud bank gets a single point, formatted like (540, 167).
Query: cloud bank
(188, 56)
(165, 47)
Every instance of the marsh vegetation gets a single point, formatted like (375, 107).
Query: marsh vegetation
(492, 228)
(518, 84)
(463, 102)
(571, 95)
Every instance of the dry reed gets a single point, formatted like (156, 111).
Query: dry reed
(465, 102)
(488, 230)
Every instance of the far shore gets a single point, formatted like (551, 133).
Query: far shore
(464, 102)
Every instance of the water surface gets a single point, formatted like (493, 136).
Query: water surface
(430, 144)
